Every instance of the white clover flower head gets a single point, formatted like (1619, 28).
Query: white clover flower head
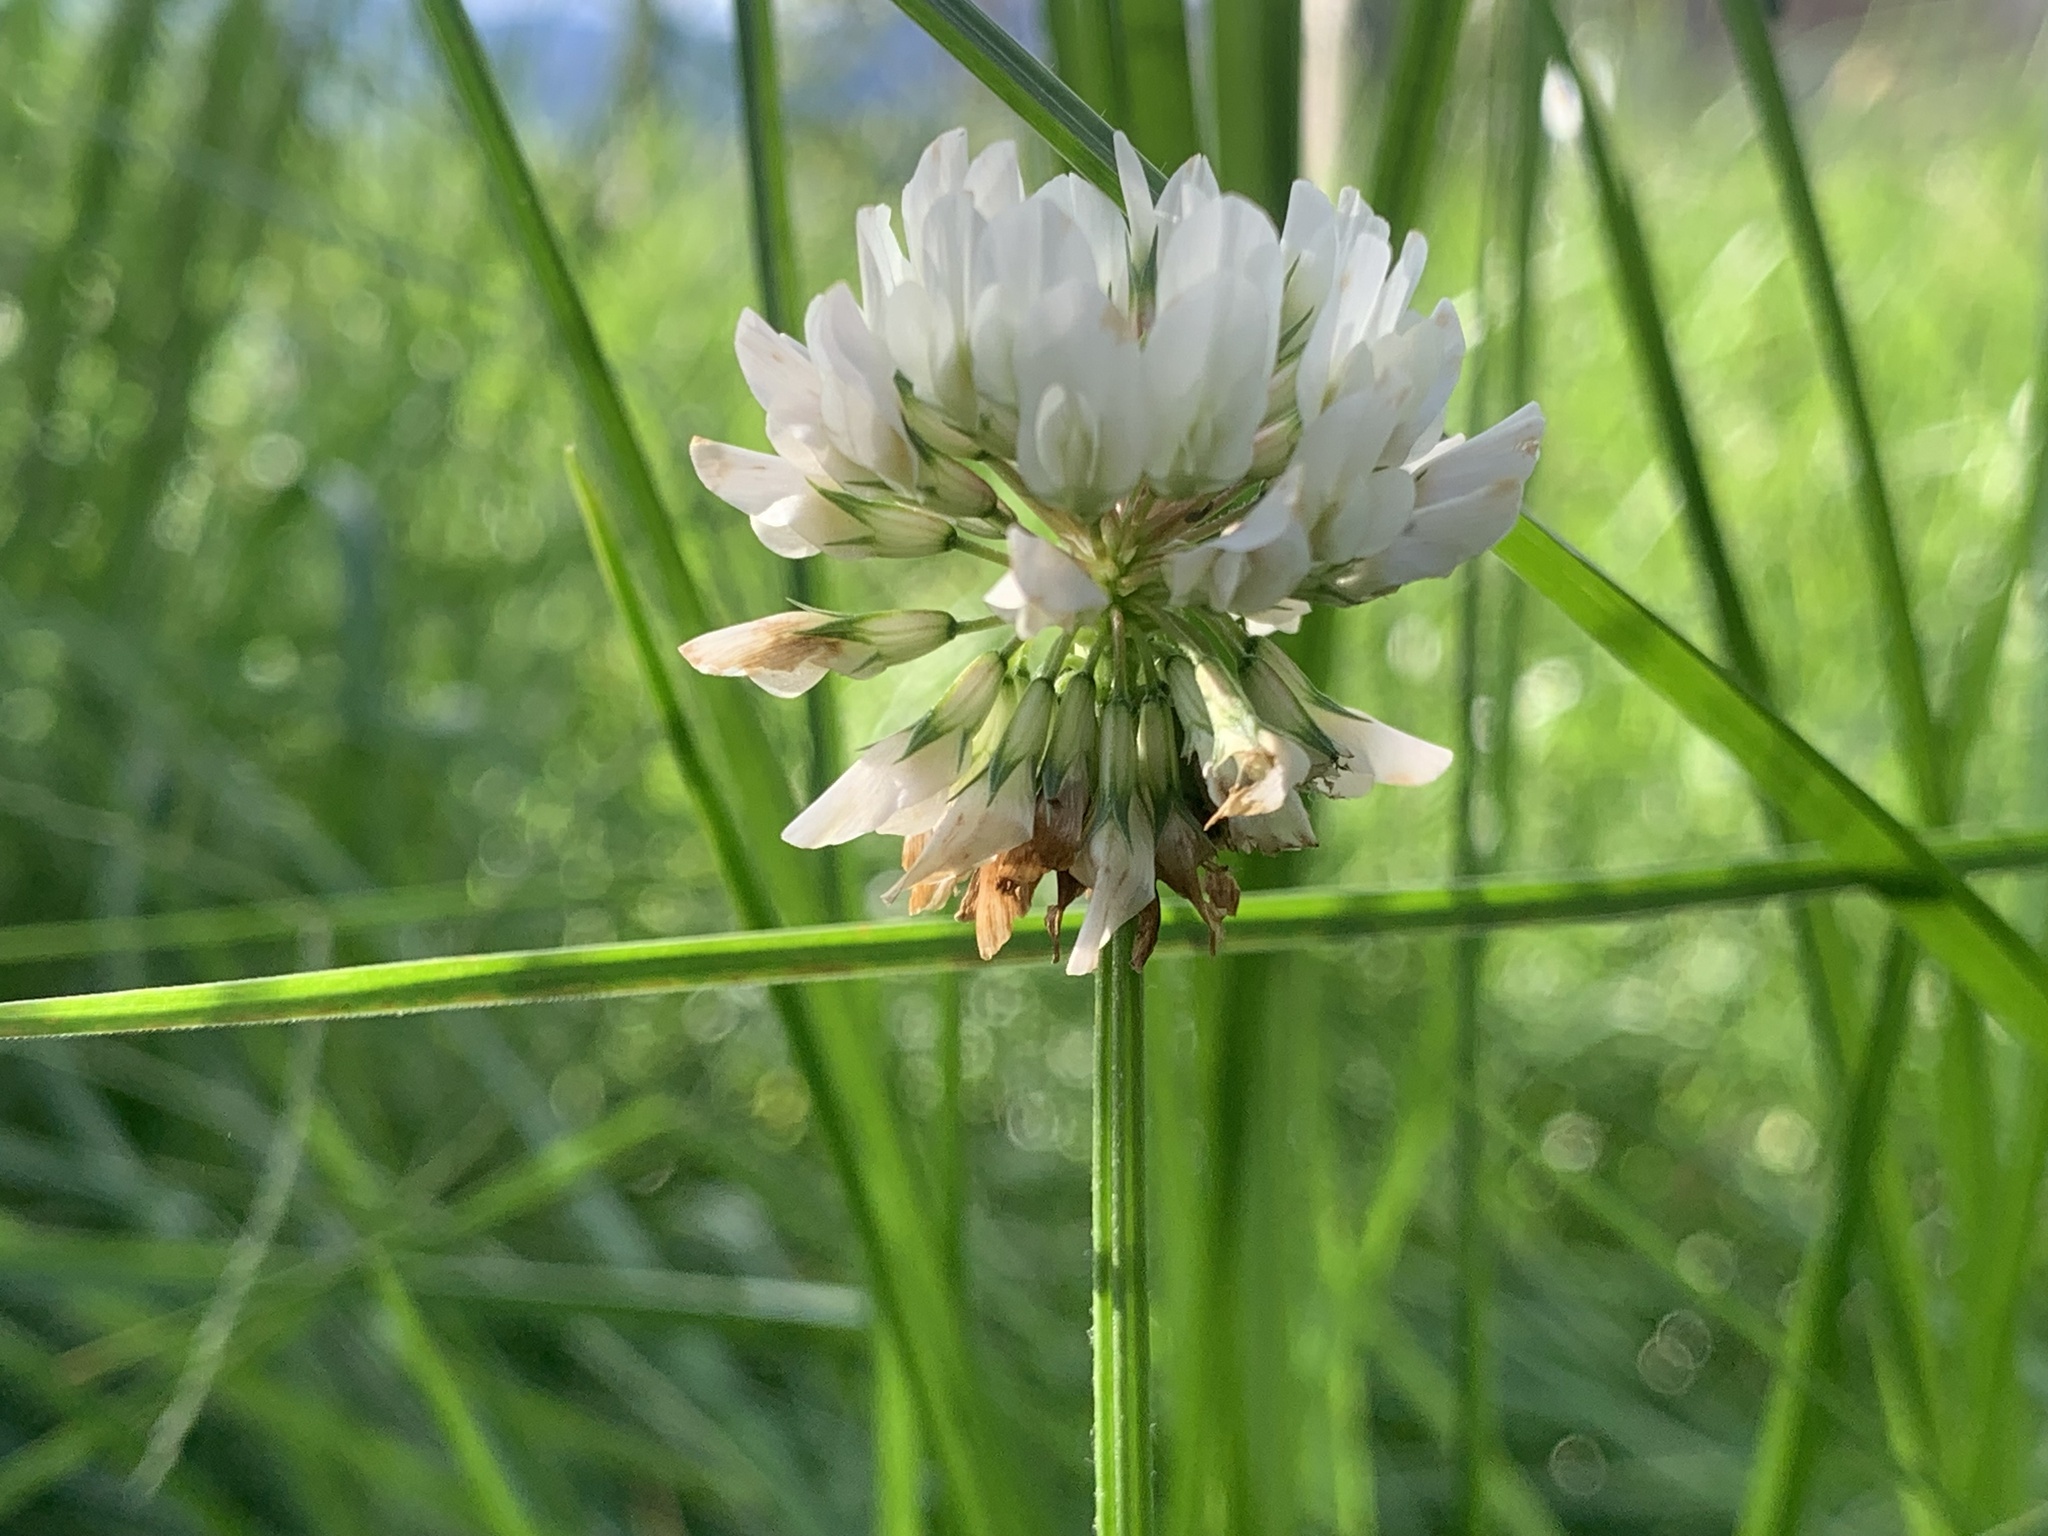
(1179, 430)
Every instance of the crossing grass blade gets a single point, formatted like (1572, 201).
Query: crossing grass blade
(1267, 921)
(845, 1079)
(1075, 131)
(499, 1507)
(1981, 950)
(761, 802)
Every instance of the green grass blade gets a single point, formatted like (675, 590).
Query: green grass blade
(1160, 116)
(246, 1256)
(1904, 666)
(208, 928)
(761, 801)
(736, 865)
(1075, 131)
(1511, 1499)
(492, 1280)
(1086, 53)
(845, 1079)
(1758, 1329)
(498, 1506)
(1411, 123)
(1643, 314)
(1268, 921)
(126, 50)
(1255, 73)
(1980, 949)
(776, 272)
(1977, 652)
(1824, 957)
(1786, 1442)
(774, 235)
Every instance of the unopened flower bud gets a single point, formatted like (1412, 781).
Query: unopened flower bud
(1158, 754)
(929, 425)
(1185, 690)
(957, 490)
(1116, 767)
(897, 532)
(966, 703)
(1282, 695)
(1072, 741)
(1273, 446)
(1023, 739)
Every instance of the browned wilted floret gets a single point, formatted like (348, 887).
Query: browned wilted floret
(1186, 859)
(1000, 891)
(926, 895)
(1147, 936)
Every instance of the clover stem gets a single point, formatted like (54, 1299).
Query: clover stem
(1122, 1312)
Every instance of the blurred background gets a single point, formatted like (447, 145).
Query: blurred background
(300, 637)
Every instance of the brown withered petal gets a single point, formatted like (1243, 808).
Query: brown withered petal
(1186, 861)
(930, 895)
(1147, 936)
(1067, 891)
(926, 895)
(998, 894)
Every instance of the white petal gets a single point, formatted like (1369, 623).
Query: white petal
(1341, 324)
(940, 169)
(1376, 753)
(1308, 246)
(1081, 421)
(857, 389)
(1125, 882)
(1507, 450)
(1230, 234)
(742, 478)
(880, 784)
(1044, 588)
(994, 180)
(1283, 618)
(1102, 225)
(975, 827)
(1142, 216)
(1208, 364)
(1286, 828)
(806, 524)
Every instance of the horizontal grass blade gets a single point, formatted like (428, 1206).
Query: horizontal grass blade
(257, 922)
(1268, 921)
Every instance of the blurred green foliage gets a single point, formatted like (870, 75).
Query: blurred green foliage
(294, 600)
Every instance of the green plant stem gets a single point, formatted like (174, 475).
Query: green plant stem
(1122, 1313)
